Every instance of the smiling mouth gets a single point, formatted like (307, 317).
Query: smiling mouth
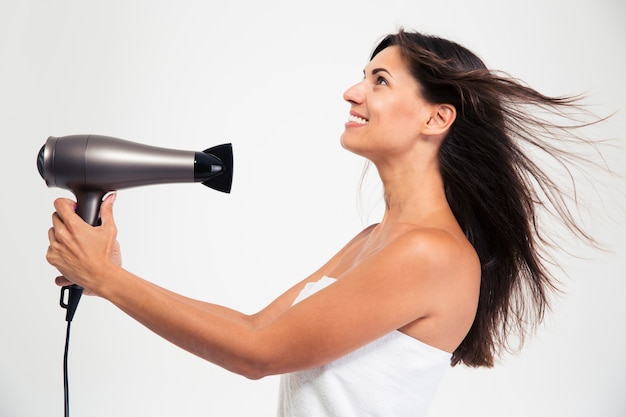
(357, 119)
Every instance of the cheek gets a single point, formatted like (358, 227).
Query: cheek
(410, 107)
(411, 113)
(401, 109)
(402, 121)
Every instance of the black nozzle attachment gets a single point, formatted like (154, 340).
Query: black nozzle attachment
(214, 167)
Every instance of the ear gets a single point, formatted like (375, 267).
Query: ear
(441, 118)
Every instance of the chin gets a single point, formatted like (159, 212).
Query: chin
(353, 145)
(348, 143)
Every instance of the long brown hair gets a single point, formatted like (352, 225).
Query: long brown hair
(493, 186)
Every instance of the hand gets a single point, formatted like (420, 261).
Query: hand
(81, 252)
(116, 258)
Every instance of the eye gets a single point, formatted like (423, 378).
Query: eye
(381, 80)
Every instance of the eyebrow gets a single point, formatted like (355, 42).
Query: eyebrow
(377, 70)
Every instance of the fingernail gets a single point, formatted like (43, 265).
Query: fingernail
(112, 195)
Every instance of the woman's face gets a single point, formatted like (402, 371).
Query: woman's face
(387, 112)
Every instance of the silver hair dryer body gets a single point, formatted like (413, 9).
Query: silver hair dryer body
(91, 166)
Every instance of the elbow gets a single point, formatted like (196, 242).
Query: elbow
(254, 369)
(261, 365)
(262, 360)
(255, 374)
(272, 365)
(244, 365)
(257, 355)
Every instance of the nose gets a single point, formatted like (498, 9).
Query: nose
(354, 94)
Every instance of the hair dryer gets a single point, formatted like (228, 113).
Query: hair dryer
(91, 166)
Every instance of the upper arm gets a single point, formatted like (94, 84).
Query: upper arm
(389, 289)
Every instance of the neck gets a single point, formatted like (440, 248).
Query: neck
(413, 194)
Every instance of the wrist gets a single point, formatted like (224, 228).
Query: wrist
(107, 279)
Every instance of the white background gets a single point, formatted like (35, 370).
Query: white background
(268, 77)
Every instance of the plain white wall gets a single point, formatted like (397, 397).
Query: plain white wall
(268, 77)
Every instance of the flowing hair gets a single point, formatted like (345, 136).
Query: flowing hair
(494, 187)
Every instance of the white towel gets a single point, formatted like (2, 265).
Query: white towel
(393, 376)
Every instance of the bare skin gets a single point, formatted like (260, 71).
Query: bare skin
(414, 271)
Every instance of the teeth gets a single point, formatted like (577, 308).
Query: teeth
(357, 119)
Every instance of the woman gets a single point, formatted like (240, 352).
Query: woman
(454, 267)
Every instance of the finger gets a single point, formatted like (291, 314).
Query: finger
(61, 281)
(51, 253)
(58, 230)
(65, 208)
(51, 237)
(106, 209)
(56, 220)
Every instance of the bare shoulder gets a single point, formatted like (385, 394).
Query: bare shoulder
(446, 269)
(439, 262)
(435, 247)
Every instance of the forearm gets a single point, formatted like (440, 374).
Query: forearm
(225, 312)
(218, 334)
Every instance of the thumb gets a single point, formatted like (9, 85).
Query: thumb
(106, 209)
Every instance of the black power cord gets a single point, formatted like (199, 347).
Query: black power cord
(66, 393)
(73, 292)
